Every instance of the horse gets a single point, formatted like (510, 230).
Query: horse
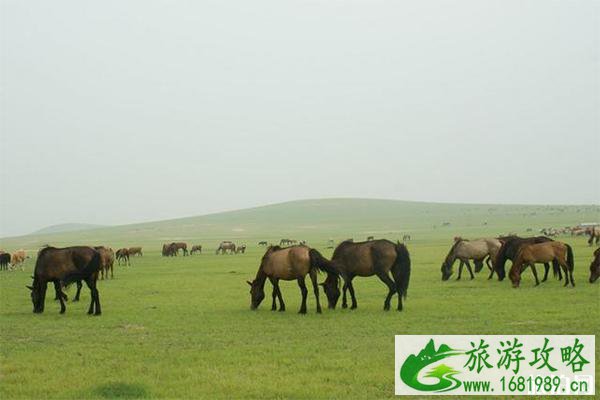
(135, 251)
(107, 260)
(594, 233)
(262, 243)
(63, 266)
(406, 238)
(224, 246)
(123, 255)
(196, 248)
(531, 253)
(241, 249)
(376, 257)
(369, 238)
(180, 246)
(4, 261)
(289, 263)
(510, 248)
(168, 250)
(18, 258)
(595, 266)
(465, 250)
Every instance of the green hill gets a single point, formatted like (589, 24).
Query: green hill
(61, 228)
(328, 218)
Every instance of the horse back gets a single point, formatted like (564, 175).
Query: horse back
(363, 258)
(288, 263)
(53, 263)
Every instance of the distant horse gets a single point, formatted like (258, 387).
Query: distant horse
(290, 263)
(241, 249)
(594, 233)
(262, 243)
(369, 238)
(123, 255)
(532, 253)
(196, 249)
(107, 260)
(509, 249)
(224, 246)
(595, 266)
(180, 246)
(64, 266)
(18, 258)
(376, 257)
(168, 250)
(465, 250)
(406, 238)
(135, 251)
(4, 261)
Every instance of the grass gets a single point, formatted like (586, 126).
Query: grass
(182, 328)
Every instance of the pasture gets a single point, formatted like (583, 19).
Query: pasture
(181, 327)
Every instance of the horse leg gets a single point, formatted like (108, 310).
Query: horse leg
(546, 270)
(351, 289)
(95, 301)
(489, 265)
(344, 289)
(304, 292)
(59, 295)
(385, 278)
(315, 284)
(281, 303)
(537, 282)
(274, 294)
(460, 267)
(469, 269)
(79, 285)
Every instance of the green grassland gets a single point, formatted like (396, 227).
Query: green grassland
(181, 327)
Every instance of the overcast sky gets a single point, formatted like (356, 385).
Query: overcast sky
(123, 111)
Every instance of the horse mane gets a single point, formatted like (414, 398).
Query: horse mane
(343, 244)
(457, 241)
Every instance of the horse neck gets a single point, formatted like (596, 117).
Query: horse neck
(261, 277)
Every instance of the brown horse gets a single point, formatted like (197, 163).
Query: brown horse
(123, 255)
(290, 263)
(375, 257)
(595, 266)
(465, 250)
(196, 248)
(135, 251)
(241, 249)
(531, 253)
(224, 246)
(63, 266)
(180, 246)
(594, 233)
(107, 260)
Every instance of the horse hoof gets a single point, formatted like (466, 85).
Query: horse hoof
(62, 311)
(354, 306)
(302, 312)
(281, 309)
(319, 311)
(344, 305)
(98, 313)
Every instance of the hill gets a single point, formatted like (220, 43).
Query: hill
(61, 228)
(327, 218)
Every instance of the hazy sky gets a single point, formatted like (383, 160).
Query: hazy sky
(124, 111)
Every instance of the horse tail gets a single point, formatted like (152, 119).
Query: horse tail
(570, 258)
(92, 266)
(402, 266)
(317, 260)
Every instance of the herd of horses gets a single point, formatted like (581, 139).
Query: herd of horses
(388, 261)
(12, 261)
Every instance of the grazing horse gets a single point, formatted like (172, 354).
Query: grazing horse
(465, 250)
(262, 243)
(180, 246)
(107, 260)
(595, 266)
(241, 249)
(169, 250)
(290, 263)
(123, 255)
(224, 246)
(196, 248)
(18, 258)
(64, 266)
(376, 257)
(369, 238)
(594, 233)
(531, 253)
(406, 238)
(4, 261)
(135, 251)
(509, 249)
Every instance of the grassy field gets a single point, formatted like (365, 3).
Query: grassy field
(182, 328)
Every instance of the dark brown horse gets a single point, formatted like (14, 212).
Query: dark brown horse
(376, 257)
(123, 255)
(63, 266)
(290, 263)
(509, 249)
(180, 246)
(107, 260)
(196, 248)
(595, 266)
(546, 252)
